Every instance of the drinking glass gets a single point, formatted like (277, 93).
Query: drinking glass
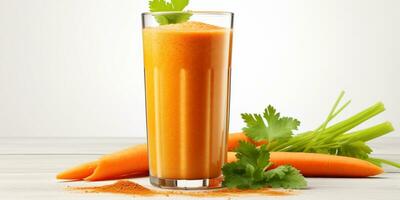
(187, 68)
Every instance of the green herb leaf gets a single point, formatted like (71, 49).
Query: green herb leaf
(169, 18)
(248, 172)
(179, 4)
(160, 6)
(248, 153)
(285, 176)
(278, 127)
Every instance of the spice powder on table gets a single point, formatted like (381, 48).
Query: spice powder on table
(132, 188)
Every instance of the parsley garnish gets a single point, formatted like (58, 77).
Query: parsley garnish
(173, 5)
(278, 127)
(285, 176)
(250, 171)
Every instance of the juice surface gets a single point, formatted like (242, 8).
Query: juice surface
(187, 71)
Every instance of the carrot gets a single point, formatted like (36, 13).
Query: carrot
(79, 172)
(132, 162)
(128, 162)
(322, 165)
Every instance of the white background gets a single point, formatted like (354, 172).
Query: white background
(74, 67)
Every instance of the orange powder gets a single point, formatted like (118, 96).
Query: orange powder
(132, 188)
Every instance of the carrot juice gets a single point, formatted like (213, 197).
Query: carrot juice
(187, 77)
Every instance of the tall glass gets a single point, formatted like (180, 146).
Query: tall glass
(187, 76)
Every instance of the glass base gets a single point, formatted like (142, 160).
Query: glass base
(184, 184)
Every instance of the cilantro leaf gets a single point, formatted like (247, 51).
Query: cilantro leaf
(160, 6)
(248, 153)
(285, 176)
(241, 176)
(278, 127)
(179, 4)
(173, 5)
(248, 172)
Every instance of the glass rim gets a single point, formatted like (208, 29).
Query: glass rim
(221, 13)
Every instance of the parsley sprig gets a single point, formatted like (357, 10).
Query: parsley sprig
(165, 6)
(250, 171)
(278, 127)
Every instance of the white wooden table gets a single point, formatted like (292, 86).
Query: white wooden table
(28, 167)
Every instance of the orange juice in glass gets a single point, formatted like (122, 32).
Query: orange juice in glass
(187, 77)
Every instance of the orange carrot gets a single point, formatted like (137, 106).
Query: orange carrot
(128, 162)
(322, 165)
(79, 172)
(132, 162)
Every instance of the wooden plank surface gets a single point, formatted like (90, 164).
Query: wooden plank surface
(28, 167)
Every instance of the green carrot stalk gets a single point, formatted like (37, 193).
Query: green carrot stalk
(333, 139)
(340, 128)
(367, 134)
(356, 119)
(388, 162)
